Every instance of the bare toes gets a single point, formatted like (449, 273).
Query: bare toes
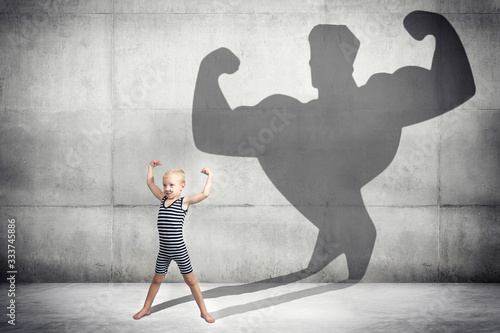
(208, 318)
(140, 314)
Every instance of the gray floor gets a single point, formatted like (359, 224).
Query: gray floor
(299, 307)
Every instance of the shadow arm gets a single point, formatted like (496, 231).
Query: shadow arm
(218, 129)
(414, 94)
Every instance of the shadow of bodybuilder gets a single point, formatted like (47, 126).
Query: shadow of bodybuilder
(320, 154)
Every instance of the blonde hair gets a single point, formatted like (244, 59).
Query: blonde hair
(178, 172)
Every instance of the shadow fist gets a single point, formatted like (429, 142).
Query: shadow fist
(420, 24)
(222, 61)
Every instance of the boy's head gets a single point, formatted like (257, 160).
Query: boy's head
(174, 181)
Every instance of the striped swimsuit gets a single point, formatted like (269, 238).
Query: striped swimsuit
(172, 247)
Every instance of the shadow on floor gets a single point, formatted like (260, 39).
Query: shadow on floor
(258, 286)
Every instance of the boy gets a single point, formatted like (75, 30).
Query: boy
(171, 215)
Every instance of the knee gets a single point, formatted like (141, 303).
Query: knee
(190, 280)
(158, 278)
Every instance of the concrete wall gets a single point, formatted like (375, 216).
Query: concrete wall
(91, 91)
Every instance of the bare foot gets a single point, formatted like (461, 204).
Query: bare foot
(141, 313)
(208, 318)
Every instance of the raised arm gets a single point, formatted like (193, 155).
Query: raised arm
(151, 181)
(195, 198)
(217, 129)
(415, 94)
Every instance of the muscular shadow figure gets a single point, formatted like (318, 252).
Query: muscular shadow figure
(320, 154)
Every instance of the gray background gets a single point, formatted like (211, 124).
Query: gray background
(92, 91)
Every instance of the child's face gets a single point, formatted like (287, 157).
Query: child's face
(173, 186)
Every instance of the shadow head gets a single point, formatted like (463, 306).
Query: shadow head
(333, 50)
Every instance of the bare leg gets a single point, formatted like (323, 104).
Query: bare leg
(153, 289)
(196, 291)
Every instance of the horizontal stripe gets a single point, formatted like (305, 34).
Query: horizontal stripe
(170, 229)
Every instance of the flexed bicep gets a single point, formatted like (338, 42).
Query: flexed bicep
(413, 94)
(218, 129)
